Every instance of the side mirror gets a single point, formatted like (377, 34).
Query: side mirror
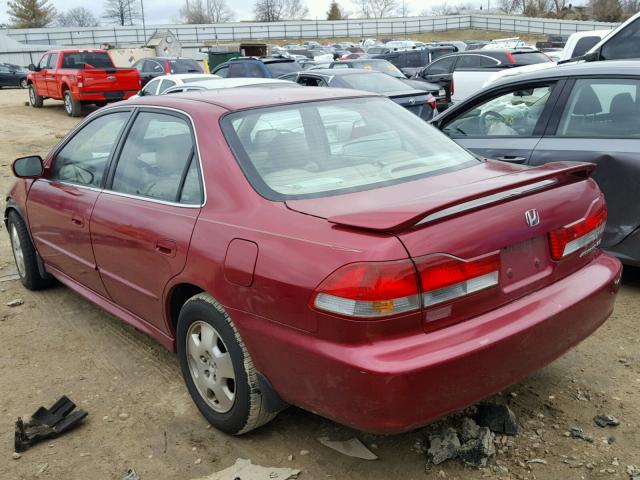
(28, 167)
(33, 68)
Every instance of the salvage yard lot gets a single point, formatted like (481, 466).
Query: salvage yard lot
(141, 416)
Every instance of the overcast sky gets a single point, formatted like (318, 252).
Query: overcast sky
(166, 11)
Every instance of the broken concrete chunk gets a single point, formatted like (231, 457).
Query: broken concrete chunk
(498, 418)
(469, 429)
(352, 448)
(476, 451)
(576, 432)
(15, 303)
(245, 470)
(606, 421)
(443, 446)
(131, 475)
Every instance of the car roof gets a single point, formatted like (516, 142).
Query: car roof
(333, 72)
(234, 99)
(261, 59)
(238, 82)
(609, 68)
(182, 76)
(169, 59)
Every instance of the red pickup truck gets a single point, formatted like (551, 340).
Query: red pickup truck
(80, 77)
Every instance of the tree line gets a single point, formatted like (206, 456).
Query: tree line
(41, 13)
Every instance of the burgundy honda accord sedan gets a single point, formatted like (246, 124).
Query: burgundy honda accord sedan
(317, 247)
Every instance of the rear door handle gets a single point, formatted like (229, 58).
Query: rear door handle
(77, 220)
(512, 159)
(166, 247)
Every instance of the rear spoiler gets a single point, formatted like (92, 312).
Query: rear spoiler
(466, 198)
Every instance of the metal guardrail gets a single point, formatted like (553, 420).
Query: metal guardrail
(196, 35)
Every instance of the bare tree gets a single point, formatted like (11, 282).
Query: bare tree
(376, 8)
(449, 9)
(404, 9)
(30, 13)
(276, 10)
(606, 10)
(77, 17)
(195, 12)
(219, 11)
(630, 7)
(121, 12)
(295, 9)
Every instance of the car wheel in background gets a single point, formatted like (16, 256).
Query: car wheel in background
(100, 104)
(34, 99)
(72, 106)
(217, 367)
(25, 254)
(23, 83)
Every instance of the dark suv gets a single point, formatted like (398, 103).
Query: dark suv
(152, 67)
(409, 61)
(265, 67)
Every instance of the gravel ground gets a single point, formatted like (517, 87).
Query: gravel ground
(141, 416)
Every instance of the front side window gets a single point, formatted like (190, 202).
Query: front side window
(514, 114)
(222, 72)
(236, 70)
(151, 88)
(84, 158)
(601, 108)
(584, 45)
(53, 61)
(166, 83)
(439, 67)
(330, 147)
(43, 61)
(156, 159)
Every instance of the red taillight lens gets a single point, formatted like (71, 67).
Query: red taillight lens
(431, 102)
(445, 278)
(167, 67)
(451, 88)
(576, 236)
(369, 290)
(510, 58)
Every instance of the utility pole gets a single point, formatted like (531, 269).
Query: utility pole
(144, 25)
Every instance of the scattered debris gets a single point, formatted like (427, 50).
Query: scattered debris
(16, 456)
(245, 470)
(123, 416)
(131, 475)
(633, 472)
(443, 446)
(469, 429)
(498, 418)
(15, 303)
(352, 448)
(476, 451)
(606, 420)
(198, 461)
(576, 432)
(290, 458)
(47, 423)
(304, 452)
(541, 461)
(42, 469)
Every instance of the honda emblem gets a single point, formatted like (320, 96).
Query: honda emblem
(532, 217)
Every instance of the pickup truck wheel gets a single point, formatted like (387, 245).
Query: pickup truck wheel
(25, 254)
(34, 99)
(23, 83)
(72, 106)
(218, 369)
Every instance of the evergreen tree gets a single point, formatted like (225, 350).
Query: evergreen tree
(30, 13)
(335, 12)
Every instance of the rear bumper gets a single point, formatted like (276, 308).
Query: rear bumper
(403, 383)
(111, 96)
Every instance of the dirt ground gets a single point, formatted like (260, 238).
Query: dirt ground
(141, 416)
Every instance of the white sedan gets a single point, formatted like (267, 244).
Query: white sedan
(222, 83)
(158, 85)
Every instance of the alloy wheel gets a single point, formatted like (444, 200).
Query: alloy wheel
(32, 96)
(67, 103)
(18, 255)
(210, 366)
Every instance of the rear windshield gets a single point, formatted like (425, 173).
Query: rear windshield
(282, 68)
(584, 45)
(184, 65)
(373, 82)
(384, 67)
(377, 50)
(82, 60)
(323, 148)
(529, 58)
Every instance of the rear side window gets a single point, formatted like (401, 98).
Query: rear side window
(84, 158)
(86, 60)
(156, 160)
(282, 68)
(166, 84)
(152, 66)
(322, 148)
(236, 70)
(441, 66)
(254, 70)
(185, 65)
(624, 44)
(151, 88)
(602, 108)
(529, 58)
(222, 72)
(584, 45)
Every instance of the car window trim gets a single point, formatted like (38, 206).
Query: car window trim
(75, 131)
(539, 129)
(194, 138)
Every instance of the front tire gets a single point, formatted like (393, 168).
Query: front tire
(72, 106)
(23, 83)
(218, 369)
(35, 100)
(25, 254)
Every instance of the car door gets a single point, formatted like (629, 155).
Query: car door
(5, 76)
(40, 76)
(150, 70)
(51, 79)
(142, 223)
(440, 72)
(504, 124)
(598, 121)
(59, 204)
(469, 74)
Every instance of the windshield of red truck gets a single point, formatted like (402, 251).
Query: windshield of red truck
(82, 60)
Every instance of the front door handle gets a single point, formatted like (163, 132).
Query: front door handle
(512, 159)
(166, 247)
(77, 220)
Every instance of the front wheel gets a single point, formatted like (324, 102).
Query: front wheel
(72, 106)
(23, 83)
(35, 100)
(25, 254)
(218, 369)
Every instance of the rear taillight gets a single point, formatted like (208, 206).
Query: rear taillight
(445, 278)
(584, 233)
(369, 290)
(451, 88)
(167, 68)
(510, 58)
(431, 102)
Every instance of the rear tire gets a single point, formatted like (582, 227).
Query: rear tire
(208, 345)
(72, 106)
(25, 254)
(23, 83)
(35, 100)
